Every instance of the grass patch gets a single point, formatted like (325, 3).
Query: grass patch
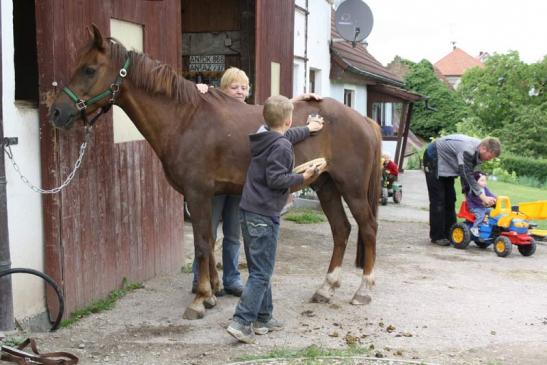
(516, 193)
(11, 341)
(103, 304)
(186, 269)
(312, 352)
(305, 216)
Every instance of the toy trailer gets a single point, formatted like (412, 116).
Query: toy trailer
(535, 210)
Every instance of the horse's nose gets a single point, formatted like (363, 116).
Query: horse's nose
(60, 115)
(56, 113)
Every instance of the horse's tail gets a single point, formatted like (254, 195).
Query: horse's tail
(373, 193)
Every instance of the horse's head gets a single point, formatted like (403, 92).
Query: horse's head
(94, 84)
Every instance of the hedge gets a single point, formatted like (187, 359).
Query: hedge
(525, 166)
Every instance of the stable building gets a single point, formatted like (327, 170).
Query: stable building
(118, 218)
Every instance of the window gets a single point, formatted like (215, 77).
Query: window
(25, 54)
(388, 116)
(312, 81)
(296, 89)
(132, 36)
(378, 112)
(349, 97)
(275, 75)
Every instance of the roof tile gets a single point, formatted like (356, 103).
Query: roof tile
(359, 58)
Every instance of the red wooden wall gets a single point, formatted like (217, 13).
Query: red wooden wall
(274, 43)
(119, 218)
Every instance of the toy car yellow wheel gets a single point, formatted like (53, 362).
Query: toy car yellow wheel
(502, 246)
(528, 250)
(460, 235)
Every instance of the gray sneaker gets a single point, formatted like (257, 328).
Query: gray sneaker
(261, 328)
(241, 332)
(441, 242)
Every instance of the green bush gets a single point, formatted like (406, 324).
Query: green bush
(504, 175)
(414, 161)
(525, 166)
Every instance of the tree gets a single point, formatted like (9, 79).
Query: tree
(508, 97)
(446, 108)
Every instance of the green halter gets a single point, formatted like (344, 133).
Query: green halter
(113, 90)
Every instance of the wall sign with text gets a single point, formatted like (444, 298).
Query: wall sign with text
(206, 63)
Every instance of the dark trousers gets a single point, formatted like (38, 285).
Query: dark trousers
(442, 198)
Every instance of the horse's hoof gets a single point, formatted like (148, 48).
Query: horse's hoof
(193, 313)
(361, 299)
(319, 298)
(210, 302)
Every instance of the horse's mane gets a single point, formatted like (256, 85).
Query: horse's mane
(153, 76)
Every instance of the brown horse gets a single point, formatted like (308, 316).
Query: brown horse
(202, 142)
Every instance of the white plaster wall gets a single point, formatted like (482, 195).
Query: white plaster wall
(337, 92)
(299, 33)
(318, 43)
(318, 36)
(298, 77)
(24, 205)
(454, 81)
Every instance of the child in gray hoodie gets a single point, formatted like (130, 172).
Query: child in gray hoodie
(265, 192)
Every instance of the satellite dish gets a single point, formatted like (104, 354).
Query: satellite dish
(353, 20)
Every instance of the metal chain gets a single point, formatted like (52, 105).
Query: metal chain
(70, 176)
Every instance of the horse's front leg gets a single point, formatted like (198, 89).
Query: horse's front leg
(331, 203)
(200, 209)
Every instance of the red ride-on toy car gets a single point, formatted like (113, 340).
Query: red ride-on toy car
(503, 228)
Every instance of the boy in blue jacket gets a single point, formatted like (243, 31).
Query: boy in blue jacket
(265, 193)
(476, 205)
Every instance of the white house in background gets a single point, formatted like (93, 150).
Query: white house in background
(453, 65)
(311, 47)
(326, 64)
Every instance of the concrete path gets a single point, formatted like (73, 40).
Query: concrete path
(414, 206)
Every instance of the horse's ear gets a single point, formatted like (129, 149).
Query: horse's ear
(98, 41)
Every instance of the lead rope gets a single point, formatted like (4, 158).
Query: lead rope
(9, 153)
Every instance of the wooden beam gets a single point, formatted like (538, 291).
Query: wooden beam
(400, 133)
(405, 135)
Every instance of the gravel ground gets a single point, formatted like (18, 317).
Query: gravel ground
(430, 304)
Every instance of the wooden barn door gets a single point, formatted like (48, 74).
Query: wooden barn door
(118, 218)
(274, 48)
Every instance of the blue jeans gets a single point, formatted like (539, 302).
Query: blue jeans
(260, 235)
(227, 207)
(479, 213)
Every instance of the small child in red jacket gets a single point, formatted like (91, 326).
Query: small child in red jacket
(390, 168)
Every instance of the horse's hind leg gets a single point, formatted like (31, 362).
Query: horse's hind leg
(331, 202)
(368, 227)
(203, 245)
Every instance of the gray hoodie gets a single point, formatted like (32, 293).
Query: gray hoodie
(270, 173)
(457, 155)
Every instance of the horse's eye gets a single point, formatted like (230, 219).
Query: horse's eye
(89, 71)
